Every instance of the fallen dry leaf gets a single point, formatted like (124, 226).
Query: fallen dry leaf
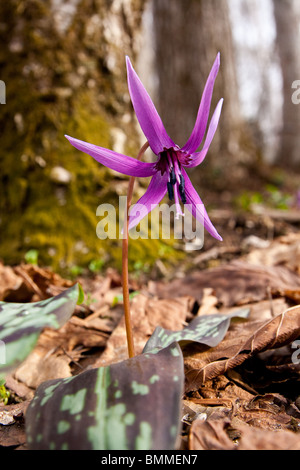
(236, 283)
(72, 335)
(284, 251)
(41, 282)
(210, 434)
(241, 342)
(13, 436)
(224, 434)
(12, 286)
(255, 438)
(12, 425)
(19, 389)
(38, 368)
(209, 303)
(146, 315)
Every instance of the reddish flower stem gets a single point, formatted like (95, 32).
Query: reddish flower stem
(125, 282)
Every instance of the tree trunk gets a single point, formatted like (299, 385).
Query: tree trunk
(287, 15)
(258, 70)
(189, 34)
(63, 64)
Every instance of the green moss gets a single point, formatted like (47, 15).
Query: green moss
(46, 99)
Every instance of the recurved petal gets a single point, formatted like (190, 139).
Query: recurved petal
(113, 160)
(203, 112)
(198, 157)
(196, 207)
(153, 196)
(146, 113)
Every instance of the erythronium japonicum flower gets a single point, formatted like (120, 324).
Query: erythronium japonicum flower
(168, 172)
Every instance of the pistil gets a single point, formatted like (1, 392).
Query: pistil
(176, 183)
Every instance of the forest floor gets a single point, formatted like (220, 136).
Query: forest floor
(252, 399)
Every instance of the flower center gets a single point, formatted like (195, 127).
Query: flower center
(169, 163)
(176, 183)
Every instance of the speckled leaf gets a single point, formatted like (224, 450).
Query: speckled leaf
(22, 323)
(207, 329)
(131, 405)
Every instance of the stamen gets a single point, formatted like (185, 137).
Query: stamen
(170, 191)
(182, 189)
(173, 176)
(182, 182)
(177, 170)
(176, 183)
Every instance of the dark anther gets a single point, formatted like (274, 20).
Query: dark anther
(183, 196)
(182, 182)
(182, 189)
(170, 191)
(173, 177)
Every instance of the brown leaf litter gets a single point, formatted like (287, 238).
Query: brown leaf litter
(242, 394)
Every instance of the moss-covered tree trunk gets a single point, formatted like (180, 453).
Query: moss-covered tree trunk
(64, 69)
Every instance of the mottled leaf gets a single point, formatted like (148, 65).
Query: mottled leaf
(134, 404)
(206, 329)
(22, 323)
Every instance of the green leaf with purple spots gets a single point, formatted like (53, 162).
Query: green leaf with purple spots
(208, 330)
(131, 405)
(22, 323)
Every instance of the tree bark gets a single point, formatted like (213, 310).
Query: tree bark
(287, 15)
(189, 34)
(65, 73)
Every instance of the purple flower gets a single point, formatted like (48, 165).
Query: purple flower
(168, 172)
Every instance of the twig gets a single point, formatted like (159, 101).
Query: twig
(70, 357)
(269, 292)
(30, 282)
(213, 401)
